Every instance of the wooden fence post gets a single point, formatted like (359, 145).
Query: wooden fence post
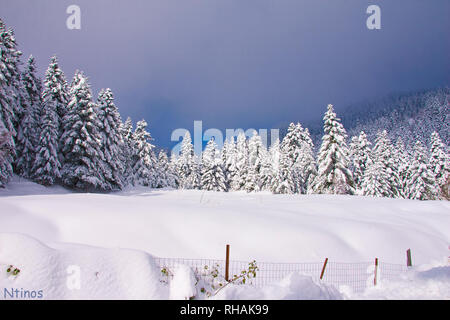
(323, 268)
(227, 263)
(376, 271)
(408, 258)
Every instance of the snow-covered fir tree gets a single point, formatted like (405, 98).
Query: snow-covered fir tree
(361, 157)
(213, 178)
(165, 176)
(185, 164)
(402, 159)
(239, 177)
(284, 180)
(10, 92)
(46, 167)
(256, 153)
(439, 164)
(307, 162)
(267, 172)
(421, 179)
(144, 160)
(56, 91)
(383, 153)
(126, 130)
(81, 142)
(292, 145)
(28, 123)
(334, 175)
(111, 140)
(228, 154)
(371, 184)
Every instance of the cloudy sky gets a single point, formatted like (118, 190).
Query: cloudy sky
(238, 63)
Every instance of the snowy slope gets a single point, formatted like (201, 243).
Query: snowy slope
(262, 226)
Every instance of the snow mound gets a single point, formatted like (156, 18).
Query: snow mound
(76, 272)
(182, 286)
(431, 284)
(293, 287)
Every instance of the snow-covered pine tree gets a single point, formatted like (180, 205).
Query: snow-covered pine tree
(421, 179)
(185, 164)
(81, 142)
(361, 157)
(173, 168)
(307, 161)
(126, 130)
(56, 91)
(165, 177)
(383, 152)
(10, 92)
(5, 153)
(111, 140)
(267, 173)
(213, 178)
(334, 175)
(28, 131)
(46, 168)
(402, 160)
(371, 184)
(439, 165)
(144, 160)
(196, 173)
(256, 154)
(292, 145)
(284, 179)
(274, 157)
(229, 160)
(239, 177)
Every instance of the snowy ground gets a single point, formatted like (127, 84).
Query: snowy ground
(198, 224)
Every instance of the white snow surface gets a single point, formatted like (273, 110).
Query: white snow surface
(128, 225)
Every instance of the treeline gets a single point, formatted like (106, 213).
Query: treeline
(54, 132)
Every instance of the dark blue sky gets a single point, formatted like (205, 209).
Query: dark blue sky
(238, 63)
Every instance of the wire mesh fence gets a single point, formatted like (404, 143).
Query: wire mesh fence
(357, 276)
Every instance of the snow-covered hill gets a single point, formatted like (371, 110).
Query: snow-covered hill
(413, 116)
(135, 225)
(261, 226)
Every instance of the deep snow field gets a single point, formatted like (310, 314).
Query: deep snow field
(43, 230)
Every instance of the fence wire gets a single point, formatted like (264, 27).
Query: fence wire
(357, 276)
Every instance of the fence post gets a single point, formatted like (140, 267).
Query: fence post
(227, 262)
(408, 258)
(376, 270)
(323, 268)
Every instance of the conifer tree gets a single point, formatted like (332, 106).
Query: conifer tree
(28, 131)
(10, 93)
(144, 164)
(361, 157)
(284, 179)
(165, 177)
(111, 140)
(81, 142)
(334, 175)
(439, 165)
(213, 178)
(383, 153)
(185, 164)
(126, 130)
(56, 91)
(46, 168)
(421, 179)
(239, 178)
